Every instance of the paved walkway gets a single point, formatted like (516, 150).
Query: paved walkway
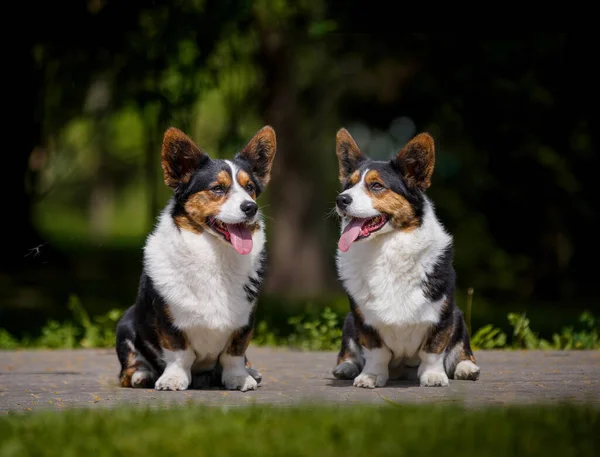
(33, 380)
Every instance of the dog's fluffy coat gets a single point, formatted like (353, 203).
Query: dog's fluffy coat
(203, 266)
(395, 263)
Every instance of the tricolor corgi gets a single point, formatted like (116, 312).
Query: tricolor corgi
(395, 263)
(203, 267)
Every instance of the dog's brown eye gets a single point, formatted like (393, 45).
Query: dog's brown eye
(376, 186)
(249, 188)
(218, 189)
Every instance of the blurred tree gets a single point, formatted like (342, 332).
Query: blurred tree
(513, 118)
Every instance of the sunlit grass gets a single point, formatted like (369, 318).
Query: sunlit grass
(306, 431)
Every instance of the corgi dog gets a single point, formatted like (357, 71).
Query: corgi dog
(203, 267)
(395, 263)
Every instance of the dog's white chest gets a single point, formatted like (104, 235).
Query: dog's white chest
(385, 274)
(387, 283)
(201, 278)
(404, 341)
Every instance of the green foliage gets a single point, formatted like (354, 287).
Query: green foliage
(7, 341)
(437, 430)
(80, 332)
(488, 337)
(308, 331)
(322, 334)
(263, 336)
(523, 337)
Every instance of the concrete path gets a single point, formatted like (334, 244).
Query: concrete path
(34, 380)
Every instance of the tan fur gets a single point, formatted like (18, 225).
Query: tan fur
(417, 159)
(166, 341)
(179, 157)
(261, 150)
(239, 341)
(202, 205)
(402, 215)
(243, 180)
(347, 152)
(354, 178)
(132, 367)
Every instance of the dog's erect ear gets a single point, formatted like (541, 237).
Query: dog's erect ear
(180, 157)
(349, 156)
(259, 153)
(415, 161)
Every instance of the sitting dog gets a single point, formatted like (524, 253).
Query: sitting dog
(203, 266)
(395, 263)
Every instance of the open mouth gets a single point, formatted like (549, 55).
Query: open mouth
(238, 235)
(359, 228)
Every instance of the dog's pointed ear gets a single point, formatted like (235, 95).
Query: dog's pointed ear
(259, 153)
(348, 154)
(180, 157)
(415, 161)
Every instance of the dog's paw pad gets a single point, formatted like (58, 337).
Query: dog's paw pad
(466, 370)
(239, 382)
(346, 370)
(370, 380)
(172, 381)
(434, 379)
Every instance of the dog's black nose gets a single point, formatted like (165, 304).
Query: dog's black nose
(249, 208)
(343, 200)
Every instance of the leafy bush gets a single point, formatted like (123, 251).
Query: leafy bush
(80, 332)
(318, 335)
(488, 337)
(523, 337)
(321, 334)
(306, 332)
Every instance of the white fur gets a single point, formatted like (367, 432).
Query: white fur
(235, 374)
(375, 372)
(140, 376)
(384, 274)
(231, 212)
(202, 278)
(431, 371)
(177, 374)
(362, 205)
(466, 370)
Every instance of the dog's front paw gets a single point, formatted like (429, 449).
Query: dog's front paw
(370, 380)
(173, 380)
(236, 381)
(434, 379)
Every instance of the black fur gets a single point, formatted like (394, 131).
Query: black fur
(146, 328)
(393, 179)
(441, 280)
(450, 331)
(252, 287)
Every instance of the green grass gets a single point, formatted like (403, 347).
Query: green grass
(306, 431)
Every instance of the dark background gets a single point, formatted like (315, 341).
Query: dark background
(93, 85)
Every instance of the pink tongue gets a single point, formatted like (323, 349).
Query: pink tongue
(350, 233)
(241, 238)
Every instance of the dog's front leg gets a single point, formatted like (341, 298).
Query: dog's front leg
(376, 370)
(178, 369)
(233, 360)
(431, 370)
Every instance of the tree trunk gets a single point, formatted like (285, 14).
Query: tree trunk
(297, 255)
